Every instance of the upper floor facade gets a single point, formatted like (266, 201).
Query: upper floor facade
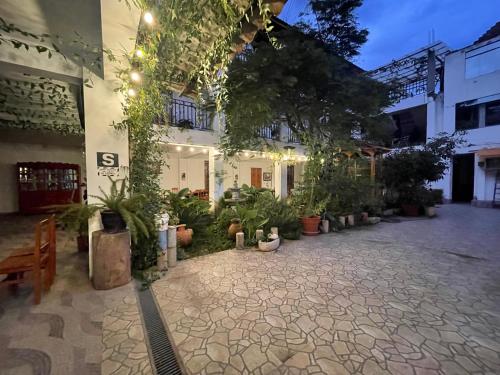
(441, 90)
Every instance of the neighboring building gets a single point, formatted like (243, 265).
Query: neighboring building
(444, 91)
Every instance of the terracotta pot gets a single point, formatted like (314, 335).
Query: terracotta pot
(234, 228)
(184, 236)
(410, 209)
(83, 243)
(364, 217)
(310, 225)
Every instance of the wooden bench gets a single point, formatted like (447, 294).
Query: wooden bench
(34, 259)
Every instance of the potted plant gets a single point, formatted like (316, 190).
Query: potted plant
(271, 243)
(429, 201)
(76, 218)
(311, 217)
(119, 212)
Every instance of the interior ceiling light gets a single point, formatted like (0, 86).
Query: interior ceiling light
(178, 148)
(191, 149)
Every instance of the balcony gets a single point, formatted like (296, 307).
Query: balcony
(188, 115)
(416, 87)
(291, 137)
(271, 132)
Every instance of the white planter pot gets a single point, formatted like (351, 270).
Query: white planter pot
(325, 226)
(341, 220)
(269, 246)
(430, 211)
(350, 220)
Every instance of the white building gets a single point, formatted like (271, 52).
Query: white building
(75, 139)
(448, 90)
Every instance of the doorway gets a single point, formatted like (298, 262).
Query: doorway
(256, 177)
(463, 178)
(290, 178)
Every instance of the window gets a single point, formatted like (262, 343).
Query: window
(466, 117)
(482, 60)
(492, 113)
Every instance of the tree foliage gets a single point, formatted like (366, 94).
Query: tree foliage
(335, 24)
(321, 97)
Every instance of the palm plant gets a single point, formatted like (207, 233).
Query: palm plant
(129, 208)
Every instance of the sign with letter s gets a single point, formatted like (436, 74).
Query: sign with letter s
(107, 159)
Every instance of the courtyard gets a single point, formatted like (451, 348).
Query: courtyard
(415, 297)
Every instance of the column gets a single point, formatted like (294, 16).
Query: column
(215, 175)
(479, 182)
(106, 150)
(280, 179)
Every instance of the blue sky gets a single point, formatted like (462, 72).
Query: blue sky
(398, 27)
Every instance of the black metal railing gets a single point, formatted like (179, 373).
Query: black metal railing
(291, 136)
(270, 132)
(414, 88)
(187, 115)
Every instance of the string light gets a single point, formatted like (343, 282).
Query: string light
(139, 53)
(136, 77)
(131, 92)
(148, 17)
(178, 148)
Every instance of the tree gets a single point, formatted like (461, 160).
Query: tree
(321, 97)
(336, 25)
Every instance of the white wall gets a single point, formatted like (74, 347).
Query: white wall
(194, 170)
(14, 152)
(458, 89)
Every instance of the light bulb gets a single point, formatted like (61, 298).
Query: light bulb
(247, 154)
(205, 150)
(136, 77)
(178, 148)
(139, 53)
(131, 92)
(191, 149)
(148, 17)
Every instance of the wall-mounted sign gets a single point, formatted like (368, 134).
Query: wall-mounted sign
(107, 164)
(107, 159)
(267, 176)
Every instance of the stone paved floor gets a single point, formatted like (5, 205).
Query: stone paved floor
(75, 329)
(415, 297)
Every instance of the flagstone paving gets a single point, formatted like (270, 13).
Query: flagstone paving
(416, 297)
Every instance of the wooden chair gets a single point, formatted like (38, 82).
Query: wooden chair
(35, 259)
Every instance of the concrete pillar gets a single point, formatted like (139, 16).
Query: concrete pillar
(216, 175)
(106, 150)
(280, 179)
(479, 181)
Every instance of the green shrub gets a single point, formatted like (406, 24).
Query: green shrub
(190, 210)
(280, 215)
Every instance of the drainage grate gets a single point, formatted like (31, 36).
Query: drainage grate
(163, 354)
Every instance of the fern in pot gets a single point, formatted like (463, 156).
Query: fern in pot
(75, 218)
(119, 212)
